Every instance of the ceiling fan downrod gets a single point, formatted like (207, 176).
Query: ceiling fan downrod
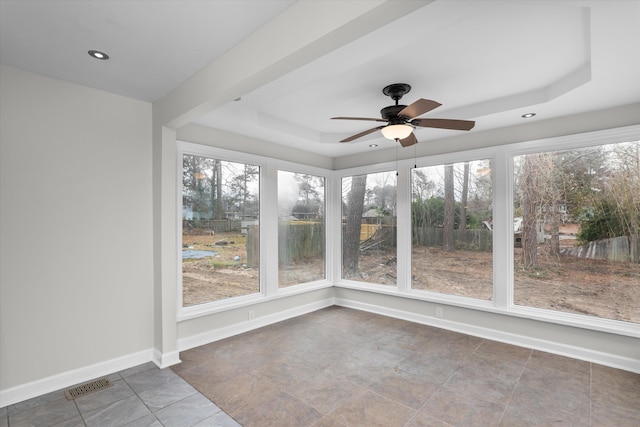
(396, 91)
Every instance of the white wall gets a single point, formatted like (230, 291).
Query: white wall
(215, 326)
(76, 236)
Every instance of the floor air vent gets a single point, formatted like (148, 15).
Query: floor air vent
(84, 389)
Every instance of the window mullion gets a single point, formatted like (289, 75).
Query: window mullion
(404, 230)
(502, 231)
(269, 232)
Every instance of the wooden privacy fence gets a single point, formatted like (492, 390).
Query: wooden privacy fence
(301, 240)
(253, 245)
(623, 249)
(383, 234)
(217, 225)
(473, 240)
(307, 239)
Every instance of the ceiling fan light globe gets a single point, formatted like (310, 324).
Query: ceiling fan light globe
(396, 132)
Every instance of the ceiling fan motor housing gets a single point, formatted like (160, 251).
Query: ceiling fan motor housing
(390, 114)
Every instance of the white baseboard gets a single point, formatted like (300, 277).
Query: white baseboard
(606, 359)
(66, 379)
(239, 328)
(164, 360)
(73, 377)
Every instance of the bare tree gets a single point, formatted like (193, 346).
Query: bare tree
(555, 198)
(530, 206)
(422, 187)
(448, 238)
(463, 208)
(219, 208)
(351, 238)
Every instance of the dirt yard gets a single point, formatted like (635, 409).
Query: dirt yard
(597, 288)
(221, 276)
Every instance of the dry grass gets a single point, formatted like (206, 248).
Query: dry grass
(604, 289)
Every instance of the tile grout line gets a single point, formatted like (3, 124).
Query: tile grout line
(84, 421)
(154, 412)
(123, 398)
(197, 392)
(389, 370)
(135, 393)
(368, 390)
(80, 413)
(504, 411)
(446, 381)
(590, 393)
(440, 388)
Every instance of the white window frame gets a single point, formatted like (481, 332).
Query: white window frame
(577, 141)
(337, 201)
(327, 175)
(268, 274)
(446, 159)
(502, 186)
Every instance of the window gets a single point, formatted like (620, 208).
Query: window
(576, 226)
(562, 217)
(220, 229)
(451, 218)
(369, 228)
(301, 228)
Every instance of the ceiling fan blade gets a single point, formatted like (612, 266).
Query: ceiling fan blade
(358, 118)
(361, 134)
(444, 123)
(410, 140)
(418, 108)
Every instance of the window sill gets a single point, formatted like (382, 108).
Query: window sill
(201, 310)
(538, 314)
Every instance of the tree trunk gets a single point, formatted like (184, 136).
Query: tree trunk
(463, 208)
(556, 196)
(448, 238)
(554, 249)
(529, 212)
(351, 240)
(219, 214)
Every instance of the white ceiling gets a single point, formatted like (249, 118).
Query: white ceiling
(488, 61)
(153, 45)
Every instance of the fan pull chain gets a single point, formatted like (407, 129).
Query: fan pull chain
(397, 142)
(415, 162)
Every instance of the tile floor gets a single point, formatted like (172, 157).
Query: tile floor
(342, 367)
(143, 396)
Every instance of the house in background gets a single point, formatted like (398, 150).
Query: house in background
(85, 295)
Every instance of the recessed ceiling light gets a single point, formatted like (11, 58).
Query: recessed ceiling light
(528, 115)
(98, 55)
(373, 145)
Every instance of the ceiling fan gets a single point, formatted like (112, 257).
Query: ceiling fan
(402, 119)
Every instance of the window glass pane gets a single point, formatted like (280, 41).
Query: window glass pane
(220, 229)
(369, 228)
(301, 237)
(451, 213)
(577, 216)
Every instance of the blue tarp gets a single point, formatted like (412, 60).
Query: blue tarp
(194, 254)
